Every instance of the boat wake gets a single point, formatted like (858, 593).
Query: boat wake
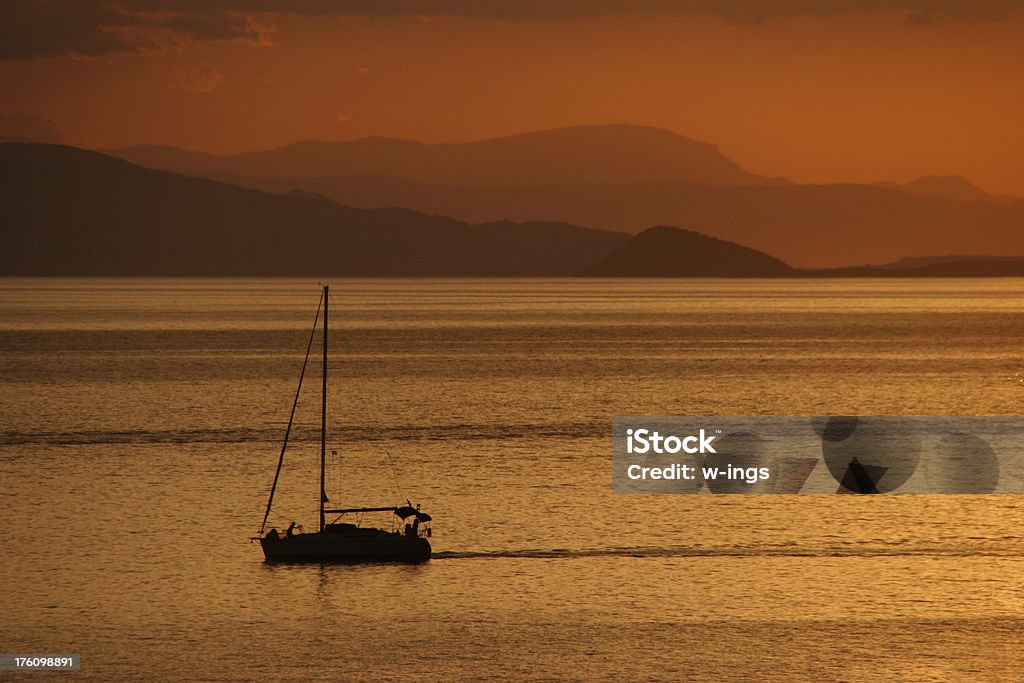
(988, 549)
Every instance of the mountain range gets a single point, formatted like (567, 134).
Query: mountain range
(67, 211)
(580, 155)
(627, 179)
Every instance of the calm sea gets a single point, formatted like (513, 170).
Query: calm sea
(141, 420)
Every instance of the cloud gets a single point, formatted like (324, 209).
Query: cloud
(202, 79)
(525, 9)
(16, 127)
(98, 28)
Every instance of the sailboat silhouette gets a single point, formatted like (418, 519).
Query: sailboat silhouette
(340, 541)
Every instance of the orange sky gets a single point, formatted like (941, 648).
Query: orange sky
(854, 96)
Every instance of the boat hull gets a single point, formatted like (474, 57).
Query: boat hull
(343, 548)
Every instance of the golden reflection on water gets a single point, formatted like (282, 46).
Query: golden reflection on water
(140, 422)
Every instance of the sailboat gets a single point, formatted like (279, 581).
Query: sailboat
(337, 541)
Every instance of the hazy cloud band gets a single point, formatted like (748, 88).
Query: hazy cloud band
(93, 28)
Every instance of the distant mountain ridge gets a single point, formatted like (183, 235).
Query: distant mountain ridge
(573, 155)
(816, 226)
(928, 261)
(70, 212)
(950, 187)
(66, 211)
(668, 252)
(628, 178)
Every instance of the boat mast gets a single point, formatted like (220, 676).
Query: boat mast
(323, 418)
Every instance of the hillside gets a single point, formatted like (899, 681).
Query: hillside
(664, 251)
(816, 226)
(67, 211)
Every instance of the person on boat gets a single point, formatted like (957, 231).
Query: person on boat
(291, 530)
